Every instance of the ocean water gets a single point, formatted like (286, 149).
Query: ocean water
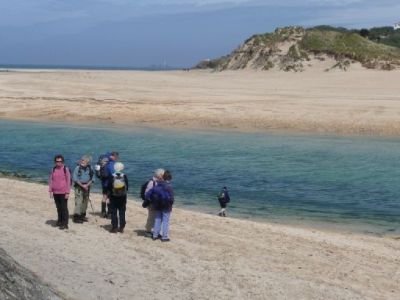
(338, 182)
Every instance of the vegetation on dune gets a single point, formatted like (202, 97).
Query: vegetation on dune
(288, 48)
(348, 45)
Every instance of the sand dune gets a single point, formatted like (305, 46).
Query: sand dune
(208, 258)
(356, 102)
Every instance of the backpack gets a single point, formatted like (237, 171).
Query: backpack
(101, 170)
(118, 185)
(223, 196)
(144, 187)
(90, 171)
(161, 197)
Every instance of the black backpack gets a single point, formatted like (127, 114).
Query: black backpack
(91, 173)
(144, 187)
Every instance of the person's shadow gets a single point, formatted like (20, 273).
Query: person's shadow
(52, 223)
(106, 227)
(140, 232)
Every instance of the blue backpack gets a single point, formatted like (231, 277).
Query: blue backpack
(161, 197)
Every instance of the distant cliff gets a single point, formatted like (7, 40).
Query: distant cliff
(296, 49)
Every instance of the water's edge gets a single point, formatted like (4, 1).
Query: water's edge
(307, 225)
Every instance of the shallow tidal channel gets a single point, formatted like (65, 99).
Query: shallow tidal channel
(338, 182)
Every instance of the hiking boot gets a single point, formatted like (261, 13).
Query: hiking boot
(121, 229)
(59, 223)
(154, 238)
(114, 230)
(108, 211)
(63, 227)
(165, 240)
(148, 234)
(77, 219)
(103, 210)
(84, 219)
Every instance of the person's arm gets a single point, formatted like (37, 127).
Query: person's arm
(75, 178)
(50, 184)
(172, 195)
(68, 179)
(126, 182)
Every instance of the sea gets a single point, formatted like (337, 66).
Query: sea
(337, 182)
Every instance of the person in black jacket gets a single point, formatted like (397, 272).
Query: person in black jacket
(117, 193)
(224, 199)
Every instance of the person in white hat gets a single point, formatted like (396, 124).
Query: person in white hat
(117, 192)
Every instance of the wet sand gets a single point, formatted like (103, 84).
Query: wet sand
(360, 101)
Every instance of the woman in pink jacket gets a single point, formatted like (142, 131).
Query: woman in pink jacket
(59, 188)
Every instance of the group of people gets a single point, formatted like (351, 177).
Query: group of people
(157, 194)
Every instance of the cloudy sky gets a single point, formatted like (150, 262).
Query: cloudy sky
(148, 32)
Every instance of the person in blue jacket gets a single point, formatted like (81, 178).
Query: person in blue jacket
(162, 198)
(112, 159)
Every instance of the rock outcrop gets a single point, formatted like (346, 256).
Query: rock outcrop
(19, 283)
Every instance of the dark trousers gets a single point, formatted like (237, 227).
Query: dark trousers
(62, 208)
(222, 203)
(118, 207)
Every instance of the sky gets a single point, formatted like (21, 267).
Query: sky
(180, 33)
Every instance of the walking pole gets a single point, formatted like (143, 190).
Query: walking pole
(91, 205)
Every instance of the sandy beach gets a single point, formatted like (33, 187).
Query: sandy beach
(359, 101)
(208, 258)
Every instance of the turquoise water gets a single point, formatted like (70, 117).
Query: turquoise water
(325, 180)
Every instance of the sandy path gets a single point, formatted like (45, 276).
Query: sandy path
(208, 258)
(355, 102)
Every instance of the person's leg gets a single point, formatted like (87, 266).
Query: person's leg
(78, 204)
(104, 203)
(221, 212)
(85, 200)
(64, 212)
(57, 201)
(108, 208)
(157, 224)
(114, 218)
(165, 224)
(122, 210)
(150, 219)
